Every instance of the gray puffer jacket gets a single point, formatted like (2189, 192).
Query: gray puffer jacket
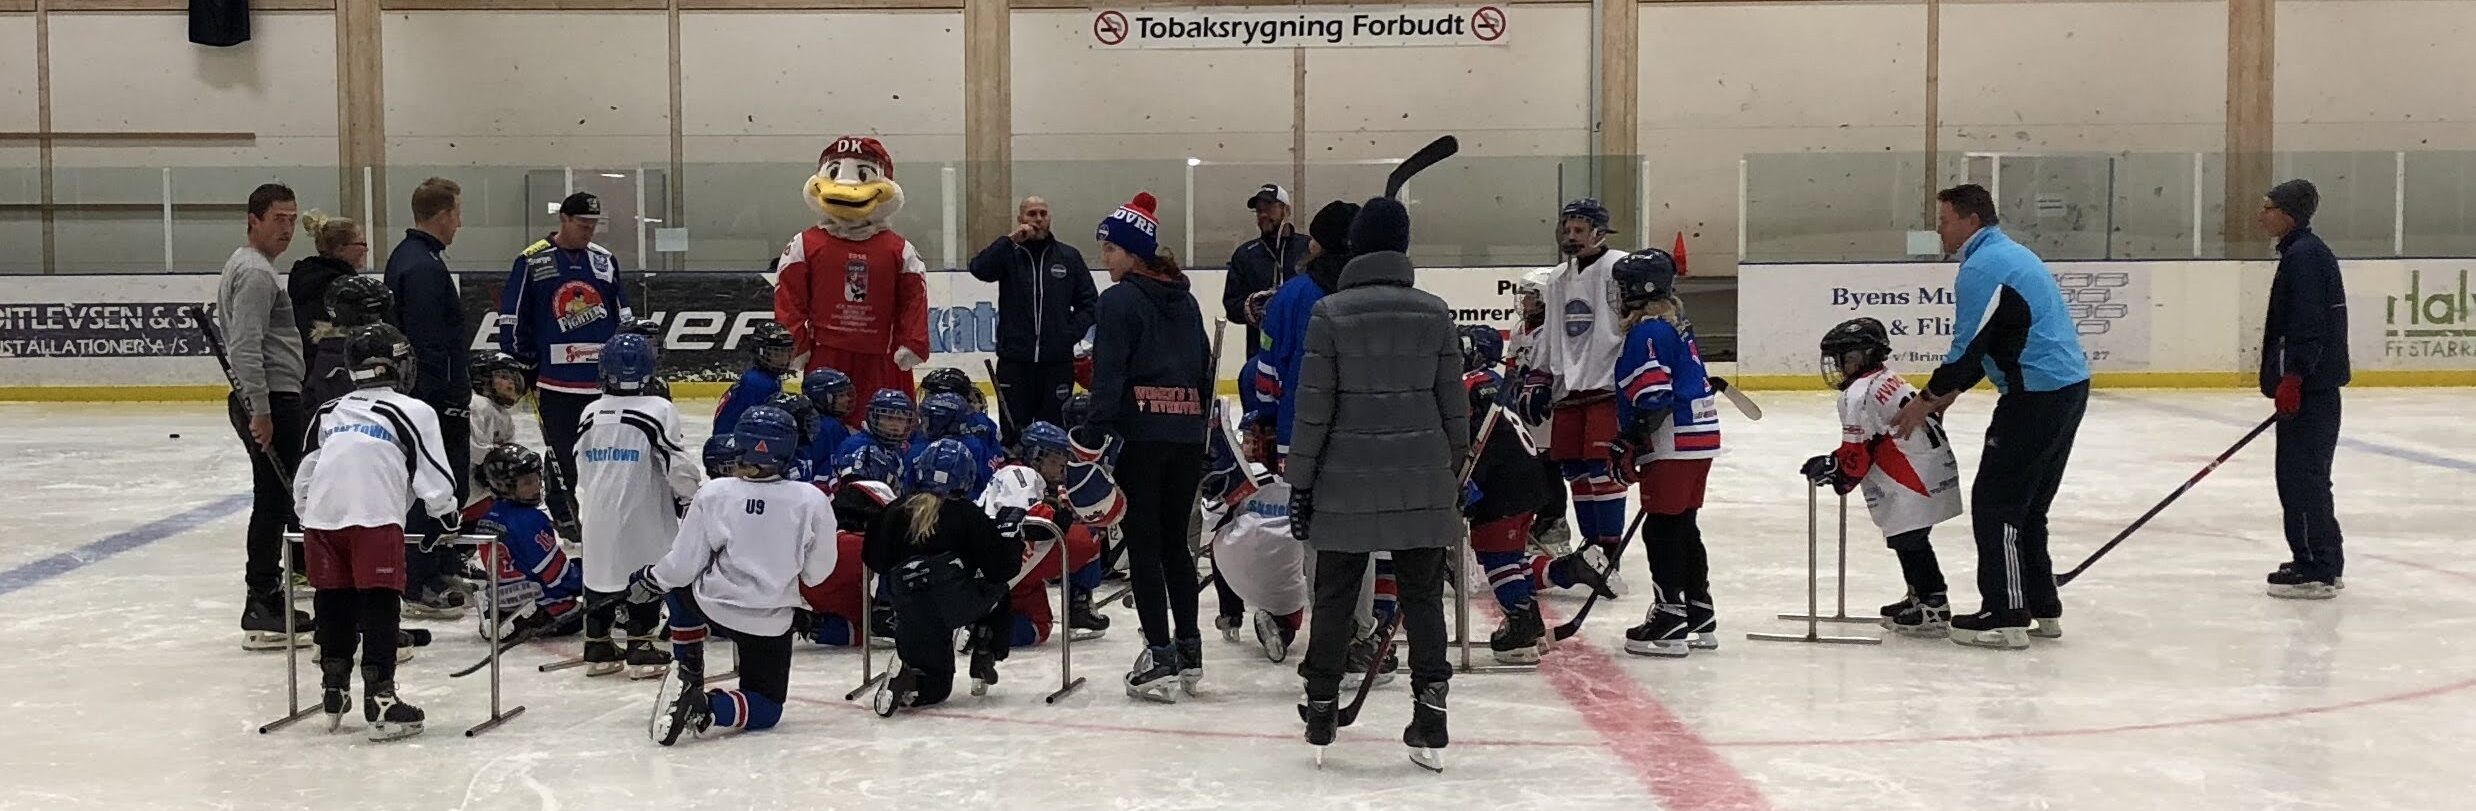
(1383, 423)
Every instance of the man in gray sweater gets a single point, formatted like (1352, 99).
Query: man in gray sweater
(264, 349)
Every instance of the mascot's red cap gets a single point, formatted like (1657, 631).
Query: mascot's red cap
(858, 146)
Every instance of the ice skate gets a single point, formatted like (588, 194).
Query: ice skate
(646, 661)
(1522, 638)
(2003, 630)
(1362, 662)
(389, 717)
(881, 626)
(1191, 662)
(2046, 627)
(1155, 676)
(436, 602)
(1426, 733)
(1323, 717)
(1586, 569)
(684, 709)
(262, 624)
(1228, 625)
(335, 690)
(1081, 620)
(1665, 632)
(1702, 621)
(983, 663)
(1928, 616)
(900, 687)
(2288, 584)
(602, 658)
(1269, 634)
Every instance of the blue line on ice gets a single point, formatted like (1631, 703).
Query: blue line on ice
(2392, 451)
(104, 548)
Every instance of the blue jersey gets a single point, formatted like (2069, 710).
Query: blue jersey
(1660, 370)
(530, 562)
(822, 451)
(908, 450)
(2012, 324)
(556, 311)
(753, 388)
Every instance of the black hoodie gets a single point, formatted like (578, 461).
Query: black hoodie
(308, 287)
(1151, 364)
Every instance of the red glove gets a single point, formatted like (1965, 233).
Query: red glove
(2290, 396)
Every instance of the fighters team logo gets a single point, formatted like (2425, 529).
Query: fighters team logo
(1579, 317)
(576, 305)
(855, 279)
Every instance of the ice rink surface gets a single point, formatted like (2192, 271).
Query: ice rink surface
(2178, 685)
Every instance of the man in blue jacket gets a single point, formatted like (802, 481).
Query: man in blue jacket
(1285, 319)
(561, 303)
(1045, 302)
(2014, 330)
(2303, 365)
(431, 314)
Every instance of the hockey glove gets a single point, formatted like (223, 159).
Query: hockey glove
(1824, 471)
(1302, 512)
(2290, 396)
(642, 588)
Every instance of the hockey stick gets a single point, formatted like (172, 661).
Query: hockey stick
(1574, 626)
(1384, 647)
(2067, 577)
(527, 634)
(1434, 152)
(1745, 405)
(215, 346)
(1005, 416)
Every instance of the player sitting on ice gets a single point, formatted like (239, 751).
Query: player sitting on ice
(633, 472)
(498, 385)
(1671, 433)
(769, 346)
(888, 425)
(1911, 484)
(831, 392)
(1249, 509)
(975, 424)
(946, 566)
(864, 488)
(541, 590)
(746, 547)
(372, 453)
(1032, 494)
(1506, 489)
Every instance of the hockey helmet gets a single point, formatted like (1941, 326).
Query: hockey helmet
(768, 438)
(1482, 346)
(830, 390)
(871, 463)
(628, 360)
(503, 469)
(359, 301)
(1077, 412)
(1646, 275)
(1043, 443)
(379, 355)
(941, 414)
(721, 455)
(651, 329)
(771, 345)
(946, 469)
(1853, 348)
(1587, 210)
(890, 416)
(803, 413)
(490, 368)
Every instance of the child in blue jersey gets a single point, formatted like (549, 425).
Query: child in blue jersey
(540, 590)
(1669, 433)
(770, 345)
(831, 393)
(974, 426)
(804, 413)
(948, 416)
(889, 424)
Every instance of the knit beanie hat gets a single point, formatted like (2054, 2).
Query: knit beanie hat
(2298, 198)
(1331, 226)
(1382, 225)
(1133, 228)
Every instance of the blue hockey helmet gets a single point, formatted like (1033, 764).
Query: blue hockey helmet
(768, 438)
(628, 360)
(771, 344)
(830, 390)
(721, 455)
(890, 416)
(1042, 441)
(1482, 346)
(802, 412)
(941, 414)
(870, 463)
(947, 469)
(1587, 210)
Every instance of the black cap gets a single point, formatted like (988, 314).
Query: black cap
(581, 204)
(1270, 193)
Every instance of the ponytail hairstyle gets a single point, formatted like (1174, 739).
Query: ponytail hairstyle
(920, 510)
(331, 235)
(1670, 309)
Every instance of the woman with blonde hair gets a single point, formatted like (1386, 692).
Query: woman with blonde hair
(343, 250)
(945, 565)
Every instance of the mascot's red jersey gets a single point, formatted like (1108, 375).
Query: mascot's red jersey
(853, 293)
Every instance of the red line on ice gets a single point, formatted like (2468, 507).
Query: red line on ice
(1680, 768)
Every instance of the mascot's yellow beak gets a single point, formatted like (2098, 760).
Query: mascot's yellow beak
(850, 189)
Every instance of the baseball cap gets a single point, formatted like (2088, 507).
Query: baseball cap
(1270, 193)
(581, 205)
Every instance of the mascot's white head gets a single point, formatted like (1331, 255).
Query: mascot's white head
(854, 188)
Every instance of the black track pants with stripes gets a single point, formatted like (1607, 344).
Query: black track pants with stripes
(2028, 443)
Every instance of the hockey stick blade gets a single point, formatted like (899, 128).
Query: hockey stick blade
(1375, 667)
(1573, 626)
(2137, 523)
(1745, 405)
(1435, 151)
(518, 638)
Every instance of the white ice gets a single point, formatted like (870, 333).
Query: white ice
(2180, 686)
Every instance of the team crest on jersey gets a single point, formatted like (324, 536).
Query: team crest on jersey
(576, 305)
(1579, 317)
(855, 279)
(1057, 271)
(602, 268)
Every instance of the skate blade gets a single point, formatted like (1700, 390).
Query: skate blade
(1319, 756)
(1160, 692)
(1523, 656)
(1429, 759)
(1995, 639)
(979, 688)
(1087, 634)
(2311, 592)
(1704, 640)
(273, 640)
(2047, 629)
(1927, 631)
(643, 672)
(601, 669)
(383, 731)
(335, 723)
(1671, 650)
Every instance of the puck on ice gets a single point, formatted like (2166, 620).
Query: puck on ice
(176, 436)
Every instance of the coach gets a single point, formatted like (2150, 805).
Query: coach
(2303, 365)
(1045, 302)
(2015, 330)
(262, 349)
(431, 313)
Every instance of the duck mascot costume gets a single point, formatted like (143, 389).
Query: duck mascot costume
(853, 293)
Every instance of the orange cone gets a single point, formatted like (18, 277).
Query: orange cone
(1679, 253)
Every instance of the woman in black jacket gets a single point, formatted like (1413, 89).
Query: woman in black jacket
(945, 566)
(1151, 370)
(342, 251)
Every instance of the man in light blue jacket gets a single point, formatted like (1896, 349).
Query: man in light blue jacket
(2012, 328)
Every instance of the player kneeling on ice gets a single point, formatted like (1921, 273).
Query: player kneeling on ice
(633, 473)
(1671, 433)
(946, 566)
(1252, 549)
(1507, 488)
(371, 453)
(1911, 484)
(746, 547)
(866, 485)
(1030, 498)
(888, 425)
(541, 590)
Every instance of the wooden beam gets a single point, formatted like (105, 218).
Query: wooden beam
(361, 112)
(988, 121)
(43, 129)
(1620, 114)
(1934, 111)
(167, 6)
(2252, 40)
(152, 138)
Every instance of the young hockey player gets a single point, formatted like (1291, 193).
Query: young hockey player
(633, 473)
(1253, 554)
(804, 413)
(373, 452)
(721, 456)
(946, 566)
(1911, 484)
(888, 425)
(498, 385)
(1671, 434)
(1506, 489)
(861, 492)
(1578, 351)
(769, 346)
(976, 422)
(1530, 391)
(352, 302)
(830, 391)
(541, 590)
(746, 547)
(1030, 492)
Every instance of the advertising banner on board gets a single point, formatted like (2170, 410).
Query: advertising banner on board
(1302, 27)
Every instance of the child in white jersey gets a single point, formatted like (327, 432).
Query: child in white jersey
(1911, 484)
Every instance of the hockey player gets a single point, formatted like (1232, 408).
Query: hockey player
(1030, 493)
(352, 302)
(888, 425)
(721, 456)
(1531, 392)
(830, 391)
(1671, 433)
(1578, 348)
(635, 472)
(562, 301)
(541, 590)
(976, 421)
(1506, 489)
(770, 347)
(746, 547)
(498, 385)
(945, 415)
(853, 293)
(1253, 554)
(1911, 484)
(374, 452)
(804, 414)
(946, 567)
(862, 491)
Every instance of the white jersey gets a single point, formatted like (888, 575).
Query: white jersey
(1585, 326)
(1256, 556)
(1020, 487)
(492, 424)
(1912, 483)
(376, 451)
(747, 547)
(632, 473)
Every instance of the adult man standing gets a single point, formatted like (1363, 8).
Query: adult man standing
(1382, 427)
(2303, 366)
(562, 301)
(2015, 330)
(1261, 264)
(431, 314)
(1045, 302)
(263, 347)
(1583, 337)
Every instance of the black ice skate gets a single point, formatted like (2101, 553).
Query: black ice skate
(335, 690)
(1155, 675)
(262, 624)
(1274, 639)
(1666, 632)
(1228, 625)
(1702, 621)
(646, 661)
(1191, 662)
(602, 658)
(983, 662)
(899, 689)
(1927, 616)
(2289, 584)
(1323, 717)
(2001, 629)
(390, 718)
(436, 601)
(684, 709)
(1583, 569)
(1426, 734)
(1081, 621)
(1362, 662)
(1522, 639)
